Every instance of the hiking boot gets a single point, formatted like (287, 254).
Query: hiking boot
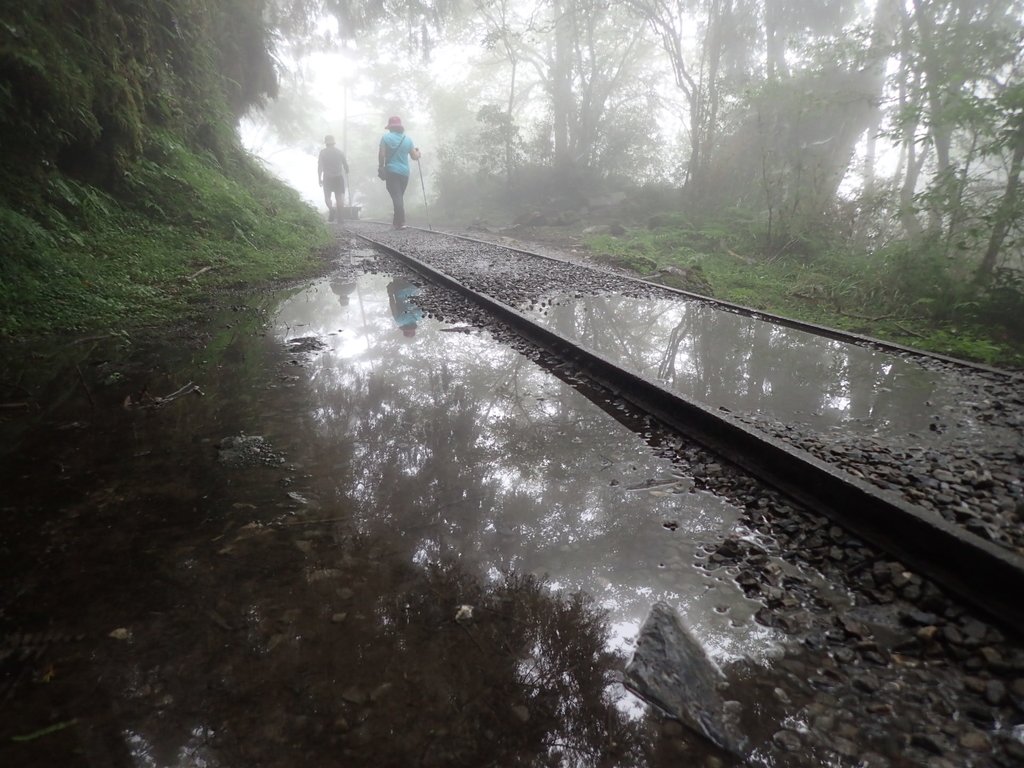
(330, 214)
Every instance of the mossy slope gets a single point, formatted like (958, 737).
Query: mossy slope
(122, 175)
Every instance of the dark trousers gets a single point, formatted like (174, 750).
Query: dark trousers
(335, 184)
(396, 184)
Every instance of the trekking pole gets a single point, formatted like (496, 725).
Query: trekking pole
(424, 188)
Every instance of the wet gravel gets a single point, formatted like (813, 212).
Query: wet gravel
(969, 479)
(884, 669)
(284, 638)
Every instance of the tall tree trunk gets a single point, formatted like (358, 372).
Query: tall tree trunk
(775, 43)
(912, 162)
(510, 123)
(937, 87)
(719, 12)
(1005, 213)
(883, 30)
(561, 81)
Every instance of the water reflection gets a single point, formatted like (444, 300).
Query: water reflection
(382, 662)
(458, 446)
(280, 612)
(400, 298)
(727, 360)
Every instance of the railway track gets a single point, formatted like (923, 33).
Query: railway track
(352, 572)
(512, 283)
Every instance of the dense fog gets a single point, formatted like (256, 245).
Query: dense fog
(866, 122)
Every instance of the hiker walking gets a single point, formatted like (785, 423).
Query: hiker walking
(396, 148)
(331, 170)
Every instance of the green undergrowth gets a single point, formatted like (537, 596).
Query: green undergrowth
(902, 294)
(80, 259)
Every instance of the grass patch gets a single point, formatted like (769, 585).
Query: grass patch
(79, 259)
(902, 294)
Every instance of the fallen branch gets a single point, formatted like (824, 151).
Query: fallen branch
(145, 400)
(85, 386)
(194, 275)
(45, 731)
(912, 333)
(735, 255)
(865, 317)
(314, 522)
(100, 337)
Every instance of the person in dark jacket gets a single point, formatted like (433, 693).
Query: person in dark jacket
(396, 149)
(331, 170)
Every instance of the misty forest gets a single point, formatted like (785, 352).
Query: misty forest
(851, 162)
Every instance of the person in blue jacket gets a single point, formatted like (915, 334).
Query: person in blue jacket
(396, 149)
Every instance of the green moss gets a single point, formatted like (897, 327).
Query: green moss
(123, 188)
(88, 260)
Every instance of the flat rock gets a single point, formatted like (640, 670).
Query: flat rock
(671, 670)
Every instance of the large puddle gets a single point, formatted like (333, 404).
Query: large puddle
(729, 361)
(462, 447)
(333, 548)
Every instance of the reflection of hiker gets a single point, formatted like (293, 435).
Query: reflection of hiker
(406, 314)
(331, 170)
(393, 159)
(342, 290)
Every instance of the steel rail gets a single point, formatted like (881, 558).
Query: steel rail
(759, 314)
(978, 571)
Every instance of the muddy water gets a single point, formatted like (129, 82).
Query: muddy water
(335, 554)
(746, 365)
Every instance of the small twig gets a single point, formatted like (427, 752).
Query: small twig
(15, 385)
(865, 317)
(194, 275)
(14, 405)
(655, 487)
(188, 389)
(912, 333)
(45, 731)
(145, 401)
(735, 255)
(81, 378)
(315, 522)
(100, 337)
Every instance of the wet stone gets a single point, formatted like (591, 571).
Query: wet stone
(873, 760)
(845, 747)
(952, 635)
(974, 684)
(1017, 688)
(672, 729)
(866, 683)
(788, 740)
(243, 451)
(976, 741)
(979, 715)
(995, 692)
(354, 695)
(918, 618)
(926, 742)
(671, 669)
(1014, 750)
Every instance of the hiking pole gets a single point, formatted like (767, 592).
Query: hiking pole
(424, 188)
